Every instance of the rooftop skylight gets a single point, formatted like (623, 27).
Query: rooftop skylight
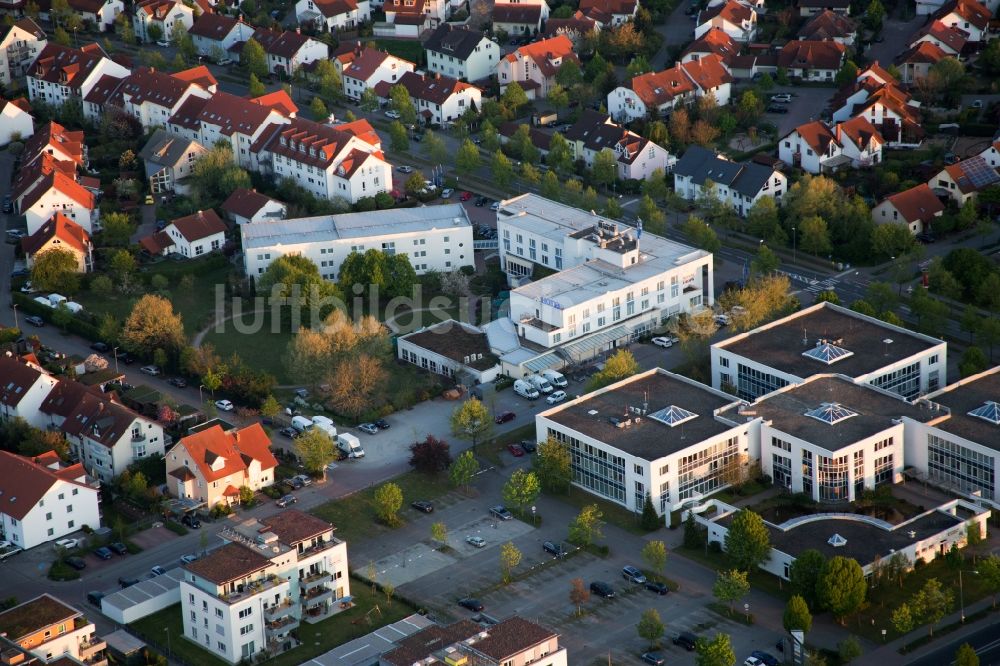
(831, 412)
(827, 352)
(672, 415)
(988, 412)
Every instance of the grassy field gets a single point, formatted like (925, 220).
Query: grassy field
(354, 516)
(407, 49)
(265, 349)
(370, 611)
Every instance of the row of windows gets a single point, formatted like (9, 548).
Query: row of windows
(753, 383)
(904, 381)
(595, 468)
(961, 467)
(706, 471)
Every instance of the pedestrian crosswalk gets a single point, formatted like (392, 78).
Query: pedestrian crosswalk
(816, 286)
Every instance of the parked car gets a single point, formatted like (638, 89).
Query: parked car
(287, 500)
(224, 405)
(76, 563)
(157, 571)
(382, 424)
(721, 319)
(555, 548)
(602, 589)
(304, 479)
(369, 428)
(150, 370)
(465, 196)
(94, 598)
(654, 658)
(528, 445)
(765, 658)
(8, 207)
(294, 483)
(481, 201)
(104, 553)
(474, 605)
(118, 548)
(658, 588)
(781, 98)
(288, 432)
(478, 542)
(495, 206)
(633, 575)
(128, 359)
(423, 505)
(686, 640)
(100, 348)
(127, 582)
(777, 108)
(501, 512)
(666, 343)
(505, 417)
(555, 397)
(447, 192)
(752, 661)
(35, 320)
(68, 544)
(392, 114)
(404, 169)
(515, 450)
(179, 382)
(188, 559)
(191, 521)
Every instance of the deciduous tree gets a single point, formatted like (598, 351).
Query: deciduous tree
(650, 627)
(841, 586)
(467, 159)
(439, 532)
(254, 58)
(510, 557)
(552, 465)
(748, 543)
(315, 449)
(388, 500)
(296, 280)
(804, 574)
(521, 490)
(902, 619)
(430, 456)
(654, 553)
(932, 603)
(579, 594)
(355, 383)
(398, 135)
(605, 168)
(152, 324)
(797, 615)
(501, 169)
(514, 97)
(463, 469)
(966, 656)
(257, 88)
(586, 527)
(730, 585)
(849, 649)
(401, 103)
(619, 366)
(471, 421)
(56, 270)
(717, 651)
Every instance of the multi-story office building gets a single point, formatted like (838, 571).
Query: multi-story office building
(245, 598)
(50, 629)
(827, 338)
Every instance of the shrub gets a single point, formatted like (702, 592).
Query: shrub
(61, 571)
(176, 528)
(132, 548)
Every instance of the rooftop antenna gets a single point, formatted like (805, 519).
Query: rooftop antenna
(887, 342)
(805, 338)
(645, 402)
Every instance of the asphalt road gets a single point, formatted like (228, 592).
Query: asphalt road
(985, 641)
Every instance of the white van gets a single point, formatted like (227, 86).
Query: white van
(555, 378)
(350, 445)
(540, 383)
(301, 423)
(328, 429)
(525, 390)
(322, 419)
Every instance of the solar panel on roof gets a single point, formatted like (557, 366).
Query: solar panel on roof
(672, 415)
(988, 412)
(979, 173)
(831, 412)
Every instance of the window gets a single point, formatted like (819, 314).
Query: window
(76, 491)
(48, 516)
(637, 469)
(222, 646)
(218, 611)
(246, 629)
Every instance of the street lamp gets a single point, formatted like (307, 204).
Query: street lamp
(167, 631)
(794, 257)
(115, 352)
(746, 608)
(533, 523)
(961, 592)
(14, 307)
(201, 396)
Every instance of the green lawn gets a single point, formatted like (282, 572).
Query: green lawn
(354, 516)
(370, 612)
(264, 349)
(407, 49)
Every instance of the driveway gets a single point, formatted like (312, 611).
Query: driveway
(896, 36)
(807, 104)
(677, 30)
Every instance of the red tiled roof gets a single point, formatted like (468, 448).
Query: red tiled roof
(55, 135)
(708, 72)
(951, 37)
(715, 41)
(917, 203)
(209, 445)
(331, 8)
(279, 101)
(158, 9)
(436, 89)
(924, 52)
(283, 44)
(732, 11)
(199, 225)
(18, 377)
(657, 88)
(860, 131)
(400, 8)
(148, 85)
(23, 483)
(213, 26)
(231, 114)
(578, 23)
(188, 115)
(245, 203)
(61, 183)
(66, 66)
(88, 413)
(362, 129)
(103, 90)
(199, 75)
(364, 64)
(517, 13)
(817, 136)
(970, 10)
(156, 243)
(512, 637)
(293, 526)
(545, 52)
(61, 227)
(33, 173)
(828, 25)
(605, 10)
(809, 54)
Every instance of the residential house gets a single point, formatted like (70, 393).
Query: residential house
(333, 15)
(104, 435)
(61, 73)
(327, 161)
(916, 208)
(736, 19)
(169, 160)
(915, 63)
(287, 51)
(410, 18)
(461, 53)
(437, 99)
(56, 141)
(636, 156)
(153, 97)
(43, 500)
(576, 27)
(190, 236)
(817, 148)
(813, 7)
(737, 185)
(969, 16)
(609, 13)
(250, 206)
(876, 95)
(99, 14)
(534, 66)
(166, 15)
(950, 40)
(521, 18)
(657, 93)
(25, 387)
(200, 75)
(812, 60)
(829, 25)
(57, 192)
(963, 180)
(992, 153)
(214, 35)
(52, 631)
(212, 465)
(512, 641)
(714, 42)
(16, 121)
(62, 233)
(364, 68)
(279, 101)
(19, 46)
(256, 590)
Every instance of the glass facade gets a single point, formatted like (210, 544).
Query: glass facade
(595, 469)
(781, 466)
(859, 473)
(904, 381)
(703, 472)
(752, 383)
(960, 467)
(883, 469)
(833, 479)
(807, 472)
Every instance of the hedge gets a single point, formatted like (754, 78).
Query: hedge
(76, 325)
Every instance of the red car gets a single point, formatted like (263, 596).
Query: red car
(515, 450)
(466, 196)
(504, 417)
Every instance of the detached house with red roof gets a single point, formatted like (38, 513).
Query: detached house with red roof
(811, 60)
(249, 206)
(215, 34)
(963, 180)
(166, 15)
(22, 390)
(57, 192)
(287, 51)
(817, 148)
(100, 14)
(829, 25)
(576, 27)
(42, 500)
(915, 63)
(364, 67)
(331, 15)
(520, 17)
(15, 120)
(190, 236)
(969, 16)
(656, 94)
(19, 46)
(735, 18)
(151, 96)
(948, 39)
(714, 42)
(876, 95)
(62, 233)
(61, 73)
(409, 18)
(534, 66)
(327, 161)
(609, 13)
(916, 208)
(212, 465)
(437, 99)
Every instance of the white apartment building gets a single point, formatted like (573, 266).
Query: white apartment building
(737, 185)
(23, 389)
(61, 73)
(327, 161)
(433, 237)
(245, 598)
(828, 338)
(655, 433)
(51, 630)
(152, 97)
(43, 500)
(19, 47)
(366, 67)
(461, 53)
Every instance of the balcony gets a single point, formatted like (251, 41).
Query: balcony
(312, 580)
(280, 627)
(319, 547)
(284, 608)
(138, 436)
(91, 647)
(252, 589)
